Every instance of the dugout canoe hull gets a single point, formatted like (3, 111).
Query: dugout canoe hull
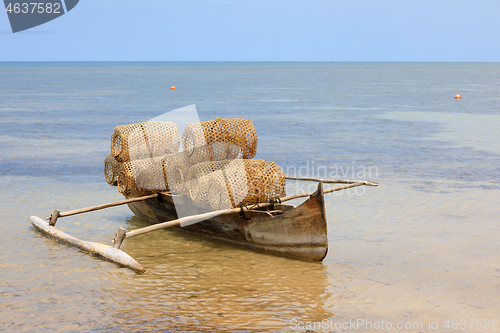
(296, 232)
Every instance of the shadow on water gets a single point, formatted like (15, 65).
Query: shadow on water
(195, 283)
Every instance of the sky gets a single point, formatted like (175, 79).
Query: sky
(241, 30)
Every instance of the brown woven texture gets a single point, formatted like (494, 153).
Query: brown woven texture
(240, 132)
(214, 151)
(235, 183)
(142, 177)
(176, 166)
(111, 169)
(144, 140)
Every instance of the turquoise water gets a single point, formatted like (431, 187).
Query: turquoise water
(422, 246)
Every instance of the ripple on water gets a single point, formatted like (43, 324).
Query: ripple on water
(421, 246)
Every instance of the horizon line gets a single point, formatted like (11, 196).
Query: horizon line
(253, 61)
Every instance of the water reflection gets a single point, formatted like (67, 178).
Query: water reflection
(195, 283)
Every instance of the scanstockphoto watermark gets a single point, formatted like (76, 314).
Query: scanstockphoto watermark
(449, 324)
(360, 324)
(352, 171)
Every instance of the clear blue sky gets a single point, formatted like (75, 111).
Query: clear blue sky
(240, 30)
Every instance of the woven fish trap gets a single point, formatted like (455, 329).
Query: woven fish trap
(240, 132)
(144, 140)
(214, 151)
(236, 183)
(142, 177)
(176, 166)
(111, 170)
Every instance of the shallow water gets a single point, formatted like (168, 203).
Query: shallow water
(423, 246)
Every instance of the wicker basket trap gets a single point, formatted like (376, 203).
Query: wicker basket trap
(144, 140)
(111, 169)
(235, 183)
(239, 132)
(142, 177)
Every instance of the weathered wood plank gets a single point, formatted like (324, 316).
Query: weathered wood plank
(104, 251)
(54, 217)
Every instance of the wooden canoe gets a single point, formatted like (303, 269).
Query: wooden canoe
(281, 229)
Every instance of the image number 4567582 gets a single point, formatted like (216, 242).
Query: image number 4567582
(24, 15)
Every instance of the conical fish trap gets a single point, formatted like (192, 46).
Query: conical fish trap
(142, 177)
(145, 140)
(239, 132)
(111, 169)
(235, 183)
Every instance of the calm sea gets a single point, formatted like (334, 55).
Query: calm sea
(420, 248)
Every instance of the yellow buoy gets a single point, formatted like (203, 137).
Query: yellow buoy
(172, 88)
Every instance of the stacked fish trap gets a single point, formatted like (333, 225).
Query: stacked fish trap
(111, 170)
(177, 166)
(145, 140)
(239, 132)
(142, 177)
(235, 183)
(139, 149)
(215, 166)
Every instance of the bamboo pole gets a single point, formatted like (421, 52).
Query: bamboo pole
(333, 181)
(57, 214)
(330, 190)
(184, 221)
